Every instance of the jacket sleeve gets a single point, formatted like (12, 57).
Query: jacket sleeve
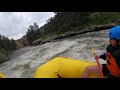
(103, 56)
(118, 60)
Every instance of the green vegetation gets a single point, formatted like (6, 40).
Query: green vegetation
(70, 21)
(33, 33)
(6, 46)
(99, 18)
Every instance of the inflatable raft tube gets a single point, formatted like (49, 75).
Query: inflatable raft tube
(2, 75)
(64, 68)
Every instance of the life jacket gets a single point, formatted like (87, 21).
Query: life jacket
(112, 65)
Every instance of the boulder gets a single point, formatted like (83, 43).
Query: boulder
(36, 42)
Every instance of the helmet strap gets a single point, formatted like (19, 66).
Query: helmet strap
(118, 42)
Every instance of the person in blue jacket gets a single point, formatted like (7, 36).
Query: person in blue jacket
(112, 67)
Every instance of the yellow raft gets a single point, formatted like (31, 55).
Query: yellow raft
(2, 75)
(64, 68)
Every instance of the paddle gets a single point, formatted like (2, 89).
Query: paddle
(100, 69)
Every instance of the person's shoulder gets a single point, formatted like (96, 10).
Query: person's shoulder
(109, 48)
(117, 52)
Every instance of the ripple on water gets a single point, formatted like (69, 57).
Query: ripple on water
(25, 61)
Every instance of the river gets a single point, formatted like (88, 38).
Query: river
(25, 61)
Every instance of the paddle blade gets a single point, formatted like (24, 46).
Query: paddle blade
(93, 51)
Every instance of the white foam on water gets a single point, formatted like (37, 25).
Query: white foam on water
(25, 61)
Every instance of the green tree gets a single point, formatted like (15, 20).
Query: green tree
(13, 44)
(33, 33)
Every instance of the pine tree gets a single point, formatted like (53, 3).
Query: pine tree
(33, 33)
(13, 44)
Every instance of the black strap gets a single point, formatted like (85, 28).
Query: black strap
(59, 76)
(117, 42)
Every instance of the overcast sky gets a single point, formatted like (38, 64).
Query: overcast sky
(14, 24)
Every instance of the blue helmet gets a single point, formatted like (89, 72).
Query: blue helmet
(114, 33)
